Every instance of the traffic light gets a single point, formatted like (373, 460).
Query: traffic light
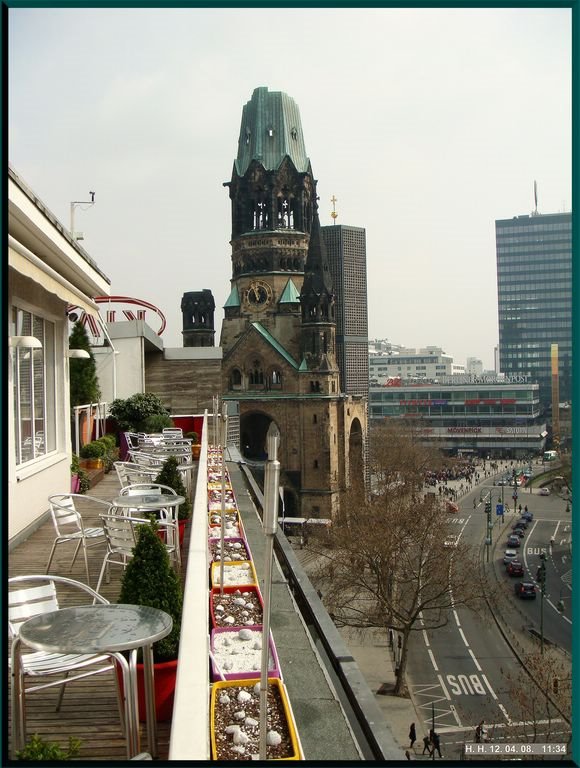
(488, 506)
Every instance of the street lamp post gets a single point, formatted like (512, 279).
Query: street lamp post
(489, 525)
(541, 577)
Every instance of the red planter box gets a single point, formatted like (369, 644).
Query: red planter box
(254, 592)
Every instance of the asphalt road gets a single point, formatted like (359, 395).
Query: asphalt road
(460, 674)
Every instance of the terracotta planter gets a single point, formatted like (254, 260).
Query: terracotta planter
(195, 451)
(244, 645)
(280, 719)
(91, 463)
(165, 676)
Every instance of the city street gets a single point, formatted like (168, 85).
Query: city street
(460, 674)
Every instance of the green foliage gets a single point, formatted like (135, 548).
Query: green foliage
(39, 749)
(84, 382)
(75, 469)
(150, 580)
(94, 450)
(157, 422)
(193, 436)
(132, 413)
(170, 475)
(110, 451)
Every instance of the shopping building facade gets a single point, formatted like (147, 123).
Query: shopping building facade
(467, 415)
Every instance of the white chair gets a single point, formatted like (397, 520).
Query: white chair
(128, 472)
(146, 459)
(167, 516)
(121, 536)
(30, 596)
(68, 524)
(172, 432)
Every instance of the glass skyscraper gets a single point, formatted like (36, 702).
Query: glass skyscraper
(534, 284)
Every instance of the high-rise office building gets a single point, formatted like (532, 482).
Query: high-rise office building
(534, 282)
(347, 258)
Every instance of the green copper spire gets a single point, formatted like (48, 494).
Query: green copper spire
(271, 130)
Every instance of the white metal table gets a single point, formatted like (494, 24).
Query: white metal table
(99, 628)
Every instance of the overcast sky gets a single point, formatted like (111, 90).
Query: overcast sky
(426, 124)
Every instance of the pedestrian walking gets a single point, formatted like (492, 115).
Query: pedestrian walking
(412, 735)
(408, 754)
(426, 747)
(436, 744)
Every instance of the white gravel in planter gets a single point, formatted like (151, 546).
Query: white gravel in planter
(239, 651)
(234, 574)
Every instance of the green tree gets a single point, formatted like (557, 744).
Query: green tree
(132, 413)
(84, 382)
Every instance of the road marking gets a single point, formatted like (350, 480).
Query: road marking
(456, 618)
(504, 710)
(466, 685)
(475, 661)
(435, 667)
(490, 689)
(463, 637)
(426, 637)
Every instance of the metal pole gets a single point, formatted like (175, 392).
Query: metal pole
(224, 426)
(543, 590)
(269, 524)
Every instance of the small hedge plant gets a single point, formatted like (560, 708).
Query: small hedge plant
(39, 749)
(169, 475)
(150, 580)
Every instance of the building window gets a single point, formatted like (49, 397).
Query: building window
(276, 379)
(236, 379)
(34, 384)
(256, 375)
(315, 419)
(315, 463)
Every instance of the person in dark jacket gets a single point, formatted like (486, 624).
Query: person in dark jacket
(436, 744)
(412, 735)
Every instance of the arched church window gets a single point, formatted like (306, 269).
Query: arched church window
(256, 375)
(276, 379)
(236, 379)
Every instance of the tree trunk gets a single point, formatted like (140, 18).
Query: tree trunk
(400, 684)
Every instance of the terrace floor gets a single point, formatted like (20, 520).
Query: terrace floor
(89, 709)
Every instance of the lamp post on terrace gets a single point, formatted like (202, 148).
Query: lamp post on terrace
(269, 525)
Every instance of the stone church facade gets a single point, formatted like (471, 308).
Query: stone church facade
(278, 336)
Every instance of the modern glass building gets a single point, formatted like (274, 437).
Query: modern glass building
(347, 258)
(534, 283)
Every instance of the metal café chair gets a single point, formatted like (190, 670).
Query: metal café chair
(30, 596)
(172, 432)
(167, 516)
(68, 524)
(121, 536)
(128, 472)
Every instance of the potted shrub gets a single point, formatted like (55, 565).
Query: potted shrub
(131, 414)
(111, 452)
(157, 423)
(169, 475)
(79, 480)
(93, 453)
(195, 445)
(150, 580)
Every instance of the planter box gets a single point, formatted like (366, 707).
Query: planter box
(242, 574)
(215, 518)
(232, 530)
(280, 719)
(246, 662)
(236, 553)
(248, 613)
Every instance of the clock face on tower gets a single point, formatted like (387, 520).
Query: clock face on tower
(258, 294)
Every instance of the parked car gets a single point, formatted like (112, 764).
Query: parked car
(525, 590)
(452, 507)
(513, 541)
(528, 516)
(544, 491)
(515, 568)
(523, 522)
(519, 530)
(509, 555)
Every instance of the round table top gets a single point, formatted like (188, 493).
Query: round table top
(148, 501)
(96, 628)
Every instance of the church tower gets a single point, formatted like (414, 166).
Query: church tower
(279, 330)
